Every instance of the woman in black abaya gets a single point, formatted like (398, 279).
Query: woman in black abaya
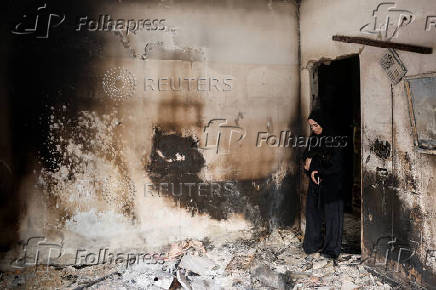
(324, 166)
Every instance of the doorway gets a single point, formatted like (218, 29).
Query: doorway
(336, 92)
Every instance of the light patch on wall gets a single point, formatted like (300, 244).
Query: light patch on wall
(93, 224)
(85, 168)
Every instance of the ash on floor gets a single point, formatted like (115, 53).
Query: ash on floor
(272, 261)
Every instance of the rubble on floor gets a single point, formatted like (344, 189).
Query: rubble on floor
(274, 261)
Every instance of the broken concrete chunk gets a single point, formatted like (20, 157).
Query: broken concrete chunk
(163, 280)
(183, 281)
(144, 277)
(201, 283)
(267, 277)
(200, 265)
(347, 285)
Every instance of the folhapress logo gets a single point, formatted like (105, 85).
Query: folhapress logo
(39, 24)
(388, 20)
(38, 251)
(43, 20)
(220, 137)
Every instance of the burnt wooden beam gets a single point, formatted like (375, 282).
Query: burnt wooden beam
(384, 44)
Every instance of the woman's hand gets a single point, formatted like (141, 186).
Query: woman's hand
(313, 177)
(307, 163)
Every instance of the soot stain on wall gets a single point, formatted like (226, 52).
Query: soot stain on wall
(174, 166)
(381, 149)
(37, 79)
(268, 203)
(406, 165)
(175, 160)
(389, 225)
(9, 208)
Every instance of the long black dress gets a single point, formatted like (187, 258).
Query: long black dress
(324, 202)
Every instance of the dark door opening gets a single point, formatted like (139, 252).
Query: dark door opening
(338, 96)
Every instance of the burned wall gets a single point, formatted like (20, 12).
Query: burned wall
(398, 189)
(145, 118)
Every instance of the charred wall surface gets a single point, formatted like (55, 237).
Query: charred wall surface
(398, 187)
(39, 73)
(136, 123)
(263, 201)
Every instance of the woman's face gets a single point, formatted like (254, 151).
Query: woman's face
(315, 127)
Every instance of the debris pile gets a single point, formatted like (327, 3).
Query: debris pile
(273, 261)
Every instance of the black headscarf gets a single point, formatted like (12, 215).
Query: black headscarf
(324, 151)
(318, 117)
